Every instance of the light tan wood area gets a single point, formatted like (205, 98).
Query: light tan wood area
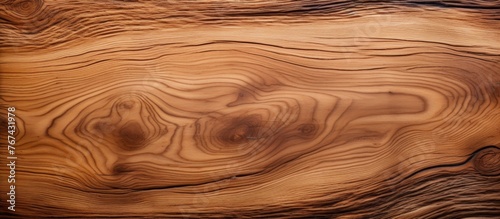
(286, 109)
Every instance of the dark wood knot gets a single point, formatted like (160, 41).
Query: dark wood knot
(131, 136)
(121, 169)
(308, 129)
(487, 161)
(241, 130)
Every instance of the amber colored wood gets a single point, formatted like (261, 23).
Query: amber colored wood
(267, 109)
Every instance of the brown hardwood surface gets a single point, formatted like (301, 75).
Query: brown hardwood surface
(239, 108)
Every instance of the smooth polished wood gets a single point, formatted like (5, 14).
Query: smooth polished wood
(264, 109)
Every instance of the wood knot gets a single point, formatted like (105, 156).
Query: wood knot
(127, 105)
(308, 129)
(121, 169)
(103, 127)
(131, 136)
(25, 8)
(242, 96)
(487, 161)
(241, 130)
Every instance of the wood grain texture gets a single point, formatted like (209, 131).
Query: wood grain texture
(283, 109)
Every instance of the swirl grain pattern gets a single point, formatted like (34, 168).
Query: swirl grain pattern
(266, 109)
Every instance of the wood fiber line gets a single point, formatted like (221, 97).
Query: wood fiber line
(282, 109)
(43, 24)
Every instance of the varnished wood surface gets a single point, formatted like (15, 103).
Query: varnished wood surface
(284, 109)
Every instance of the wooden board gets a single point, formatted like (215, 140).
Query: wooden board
(286, 109)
